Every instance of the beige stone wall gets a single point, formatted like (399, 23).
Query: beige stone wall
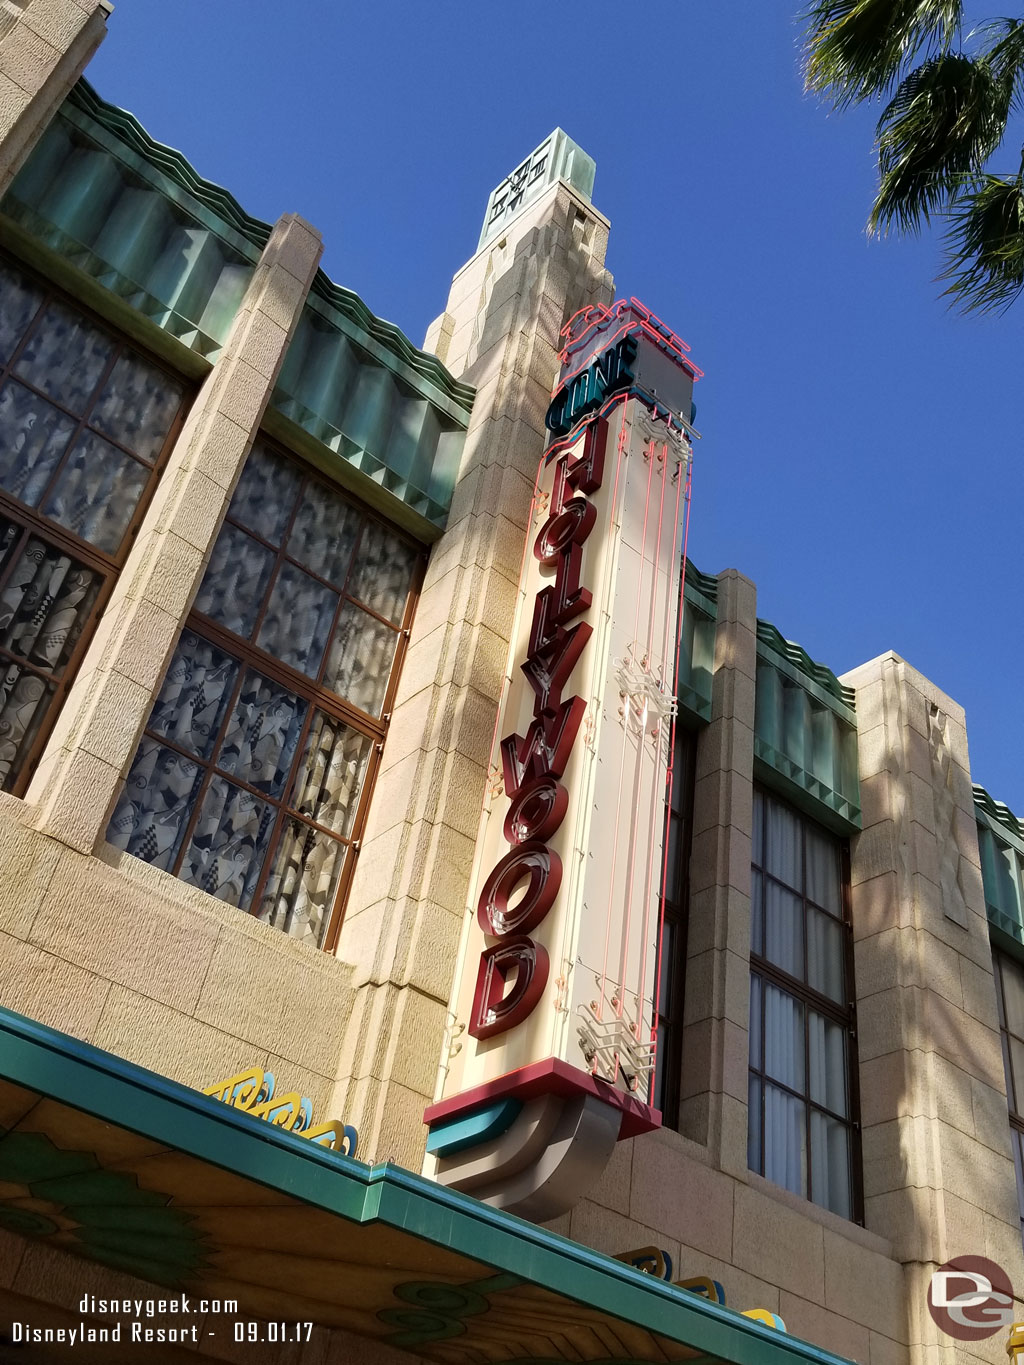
(832, 1282)
(124, 956)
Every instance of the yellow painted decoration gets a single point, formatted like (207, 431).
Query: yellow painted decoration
(252, 1091)
(1015, 1341)
(766, 1316)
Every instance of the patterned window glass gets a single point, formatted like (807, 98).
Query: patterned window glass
(1009, 974)
(85, 422)
(250, 780)
(802, 1112)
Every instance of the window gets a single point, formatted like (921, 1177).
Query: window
(679, 832)
(254, 772)
(802, 1132)
(86, 424)
(1009, 976)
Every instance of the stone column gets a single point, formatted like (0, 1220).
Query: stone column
(45, 45)
(938, 1175)
(713, 1108)
(93, 744)
(406, 906)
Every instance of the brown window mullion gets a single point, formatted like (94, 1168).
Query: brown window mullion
(82, 422)
(336, 917)
(792, 985)
(20, 541)
(300, 683)
(283, 813)
(209, 770)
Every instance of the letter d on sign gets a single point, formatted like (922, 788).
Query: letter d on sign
(493, 1010)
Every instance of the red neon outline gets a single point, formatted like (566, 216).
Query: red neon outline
(599, 317)
(622, 756)
(653, 818)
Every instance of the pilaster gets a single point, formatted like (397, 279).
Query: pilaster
(713, 1109)
(938, 1174)
(95, 739)
(500, 332)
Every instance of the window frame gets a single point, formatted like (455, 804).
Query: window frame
(811, 999)
(669, 1064)
(310, 690)
(32, 522)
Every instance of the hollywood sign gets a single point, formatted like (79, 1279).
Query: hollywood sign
(553, 1036)
(533, 763)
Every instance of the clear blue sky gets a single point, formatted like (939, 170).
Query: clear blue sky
(862, 445)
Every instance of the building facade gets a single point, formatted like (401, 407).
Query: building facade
(260, 565)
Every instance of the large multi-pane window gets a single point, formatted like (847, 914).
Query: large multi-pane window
(802, 1131)
(85, 425)
(254, 771)
(675, 906)
(1009, 976)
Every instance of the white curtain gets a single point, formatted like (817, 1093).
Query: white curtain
(785, 1141)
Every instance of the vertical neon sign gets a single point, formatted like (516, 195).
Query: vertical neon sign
(552, 1044)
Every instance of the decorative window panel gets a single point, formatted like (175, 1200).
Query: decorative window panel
(802, 1128)
(252, 778)
(85, 424)
(805, 740)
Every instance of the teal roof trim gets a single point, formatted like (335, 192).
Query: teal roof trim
(805, 791)
(127, 129)
(703, 582)
(396, 343)
(798, 658)
(999, 817)
(701, 591)
(97, 1083)
(222, 212)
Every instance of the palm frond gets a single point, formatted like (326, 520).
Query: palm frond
(946, 117)
(855, 48)
(1005, 57)
(986, 245)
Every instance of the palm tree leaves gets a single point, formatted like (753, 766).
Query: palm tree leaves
(855, 48)
(945, 119)
(986, 245)
(1005, 57)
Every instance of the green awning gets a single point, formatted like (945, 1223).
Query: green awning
(116, 1164)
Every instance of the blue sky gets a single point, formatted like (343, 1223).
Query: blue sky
(861, 449)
